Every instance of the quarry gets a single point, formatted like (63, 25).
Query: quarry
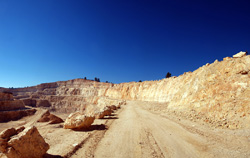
(204, 113)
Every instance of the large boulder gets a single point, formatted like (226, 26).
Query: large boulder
(78, 120)
(23, 143)
(48, 117)
(106, 111)
(240, 54)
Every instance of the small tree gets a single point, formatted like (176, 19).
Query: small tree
(168, 75)
(97, 79)
(140, 81)
(85, 78)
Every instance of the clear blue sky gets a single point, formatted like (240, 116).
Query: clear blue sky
(116, 40)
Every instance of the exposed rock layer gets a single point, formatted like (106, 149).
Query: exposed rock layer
(11, 109)
(6, 116)
(214, 92)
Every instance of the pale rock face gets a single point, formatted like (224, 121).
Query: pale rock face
(23, 143)
(216, 91)
(240, 54)
(78, 120)
(11, 109)
(7, 102)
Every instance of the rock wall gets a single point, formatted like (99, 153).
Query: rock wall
(217, 91)
(8, 103)
(11, 105)
(11, 109)
(6, 96)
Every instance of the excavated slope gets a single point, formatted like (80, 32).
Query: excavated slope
(217, 93)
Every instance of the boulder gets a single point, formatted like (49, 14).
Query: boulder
(99, 115)
(240, 54)
(104, 112)
(113, 107)
(43, 103)
(8, 133)
(78, 120)
(48, 117)
(23, 143)
(107, 111)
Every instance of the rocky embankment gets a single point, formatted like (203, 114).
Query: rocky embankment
(217, 93)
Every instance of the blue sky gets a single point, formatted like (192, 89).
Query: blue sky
(116, 40)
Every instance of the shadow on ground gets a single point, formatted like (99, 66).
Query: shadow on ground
(93, 128)
(52, 156)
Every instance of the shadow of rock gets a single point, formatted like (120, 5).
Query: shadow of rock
(52, 156)
(92, 128)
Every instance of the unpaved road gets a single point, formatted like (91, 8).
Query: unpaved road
(140, 130)
(140, 133)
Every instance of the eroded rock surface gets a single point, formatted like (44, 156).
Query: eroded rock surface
(240, 54)
(11, 109)
(23, 143)
(214, 92)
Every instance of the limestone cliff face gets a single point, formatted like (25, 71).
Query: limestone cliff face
(65, 96)
(11, 109)
(219, 82)
(217, 91)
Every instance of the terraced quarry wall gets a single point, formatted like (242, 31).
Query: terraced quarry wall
(217, 92)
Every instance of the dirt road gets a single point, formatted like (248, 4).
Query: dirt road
(140, 133)
(141, 130)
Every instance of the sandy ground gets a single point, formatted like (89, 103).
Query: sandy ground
(140, 130)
